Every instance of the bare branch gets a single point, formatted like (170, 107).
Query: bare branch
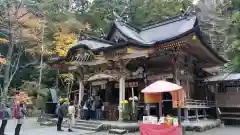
(12, 65)
(29, 64)
(22, 16)
(1, 89)
(16, 68)
(18, 7)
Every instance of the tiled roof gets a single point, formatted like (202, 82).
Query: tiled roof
(223, 77)
(160, 31)
(130, 32)
(147, 35)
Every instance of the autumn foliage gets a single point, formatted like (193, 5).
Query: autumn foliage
(63, 41)
(3, 41)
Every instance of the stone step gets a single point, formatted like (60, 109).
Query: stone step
(86, 125)
(87, 121)
(83, 127)
(230, 118)
(117, 131)
(201, 125)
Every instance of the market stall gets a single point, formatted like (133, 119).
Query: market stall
(164, 125)
(153, 129)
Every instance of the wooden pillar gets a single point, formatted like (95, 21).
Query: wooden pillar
(188, 88)
(205, 114)
(121, 95)
(186, 119)
(215, 89)
(81, 91)
(80, 95)
(147, 105)
(186, 110)
(160, 106)
(196, 113)
(177, 81)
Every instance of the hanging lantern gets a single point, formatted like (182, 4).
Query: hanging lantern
(194, 37)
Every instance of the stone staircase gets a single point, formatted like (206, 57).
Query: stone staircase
(86, 125)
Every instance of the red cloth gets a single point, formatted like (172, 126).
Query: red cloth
(151, 129)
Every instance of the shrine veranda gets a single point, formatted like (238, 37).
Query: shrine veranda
(134, 57)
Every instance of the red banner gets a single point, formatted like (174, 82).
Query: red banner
(152, 129)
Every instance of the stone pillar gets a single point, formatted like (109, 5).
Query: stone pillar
(186, 115)
(121, 95)
(196, 113)
(80, 96)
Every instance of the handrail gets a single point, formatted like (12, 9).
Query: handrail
(204, 103)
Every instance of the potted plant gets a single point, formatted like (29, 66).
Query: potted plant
(125, 110)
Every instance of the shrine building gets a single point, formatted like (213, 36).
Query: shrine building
(134, 57)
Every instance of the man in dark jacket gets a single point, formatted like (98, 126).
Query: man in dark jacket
(60, 113)
(6, 116)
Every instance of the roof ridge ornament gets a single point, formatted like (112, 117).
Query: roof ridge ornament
(118, 18)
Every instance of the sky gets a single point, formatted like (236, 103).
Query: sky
(195, 2)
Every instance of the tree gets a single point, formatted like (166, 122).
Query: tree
(100, 13)
(155, 10)
(234, 37)
(22, 28)
(213, 20)
(67, 80)
(30, 26)
(62, 30)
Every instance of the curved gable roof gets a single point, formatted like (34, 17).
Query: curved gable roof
(163, 31)
(91, 44)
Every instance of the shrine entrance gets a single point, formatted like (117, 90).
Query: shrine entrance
(167, 108)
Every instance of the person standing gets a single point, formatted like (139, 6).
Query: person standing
(92, 108)
(85, 109)
(19, 114)
(6, 116)
(60, 113)
(71, 116)
(98, 104)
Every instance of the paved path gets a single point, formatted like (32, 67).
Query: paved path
(31, 127)
(219, 131)
(216, 131)
(29, 123)
(51, 131)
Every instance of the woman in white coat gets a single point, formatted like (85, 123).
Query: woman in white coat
(71, 116)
